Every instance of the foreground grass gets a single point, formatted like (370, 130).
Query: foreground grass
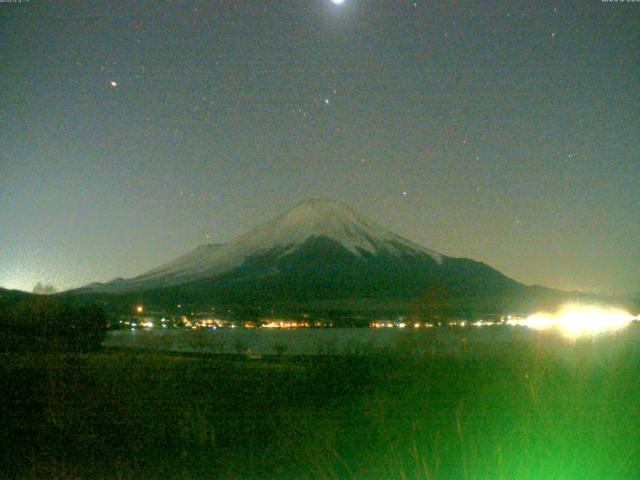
(524, 413)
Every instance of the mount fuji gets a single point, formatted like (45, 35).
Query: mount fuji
(320, 251)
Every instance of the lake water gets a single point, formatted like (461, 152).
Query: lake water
(339, 341)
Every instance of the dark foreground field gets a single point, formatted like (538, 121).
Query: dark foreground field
(525, 413)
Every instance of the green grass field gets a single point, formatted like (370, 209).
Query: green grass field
(527, 412)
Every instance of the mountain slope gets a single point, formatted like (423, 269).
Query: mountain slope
(283, 236)
(321, 251)
(10, 296)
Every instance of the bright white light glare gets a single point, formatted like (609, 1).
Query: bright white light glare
(575, 321)
(337, 2)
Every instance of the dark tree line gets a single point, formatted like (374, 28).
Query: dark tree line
(45, 324)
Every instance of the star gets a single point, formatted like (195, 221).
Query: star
(113, 84)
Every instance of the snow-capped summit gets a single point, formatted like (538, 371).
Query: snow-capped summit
(320, 251)
(329, 219)
(312, 219)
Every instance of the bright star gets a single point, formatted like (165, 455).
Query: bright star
(113, 84)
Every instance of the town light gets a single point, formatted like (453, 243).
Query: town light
(575, 320)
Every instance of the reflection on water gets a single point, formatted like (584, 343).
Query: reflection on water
(343, 341)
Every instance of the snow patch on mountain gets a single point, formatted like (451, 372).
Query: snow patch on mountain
(334, 220)
(183, 267)
(312, 218)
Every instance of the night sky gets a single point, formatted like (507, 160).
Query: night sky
(504, 131)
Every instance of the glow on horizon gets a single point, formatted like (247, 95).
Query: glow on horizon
(575, 320)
